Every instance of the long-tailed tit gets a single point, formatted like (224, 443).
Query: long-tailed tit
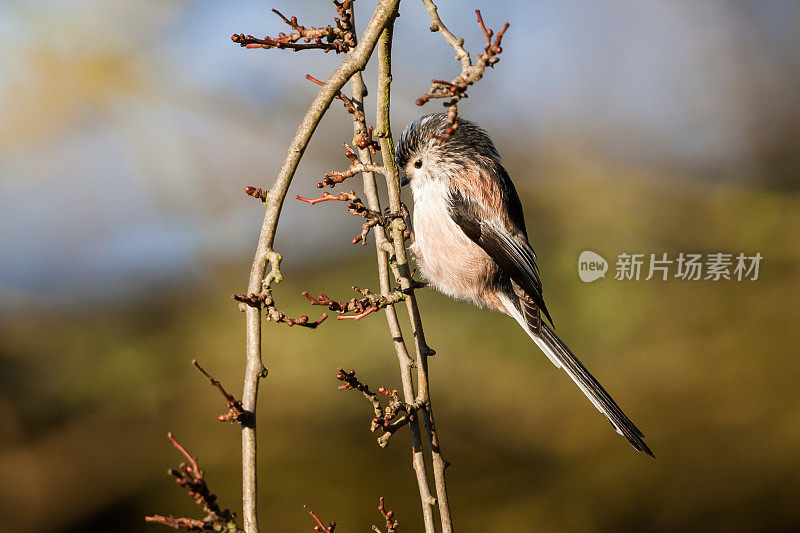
(470, 241)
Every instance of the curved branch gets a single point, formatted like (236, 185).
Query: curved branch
(259, 280)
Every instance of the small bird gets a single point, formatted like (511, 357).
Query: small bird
(470, 241)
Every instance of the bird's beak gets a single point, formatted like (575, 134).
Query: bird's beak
(404, 179)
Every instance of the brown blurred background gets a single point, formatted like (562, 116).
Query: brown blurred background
(127, 132)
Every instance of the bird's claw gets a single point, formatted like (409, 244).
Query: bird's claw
(414, 286)
(403, 214)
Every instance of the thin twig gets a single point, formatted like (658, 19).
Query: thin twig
(266, 301)
(357, 166)
(338, 38)
(370, 303)
(388, 516)
(362, 137)
(389, 419)
(356, 207)
(235, 412)
(456, 89)
(192, 478)
(330, 528)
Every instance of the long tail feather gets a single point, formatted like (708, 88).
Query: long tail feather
(561, 356)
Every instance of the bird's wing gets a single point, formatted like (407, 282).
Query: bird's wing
(507, 246)
(491, 216)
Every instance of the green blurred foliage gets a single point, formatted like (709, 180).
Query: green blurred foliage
(707, 369)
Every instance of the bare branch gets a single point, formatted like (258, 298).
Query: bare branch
(383, 252)
(356, 207)
(388, 516)
(338, 38)
(356, 167)
(348, 104)
(235, 412)
(395, 415)
(456, 89)
(330, 528)
(192, 478)
(404, 273)
(370, 303)
(189, 524)
(266, 301)
(351, 382)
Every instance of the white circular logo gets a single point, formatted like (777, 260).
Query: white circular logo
(591, 266)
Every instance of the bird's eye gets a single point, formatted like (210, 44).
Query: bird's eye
(418, 163)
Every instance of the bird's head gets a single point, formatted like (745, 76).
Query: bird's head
(423, 153)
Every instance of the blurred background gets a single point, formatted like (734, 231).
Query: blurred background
(127, 132)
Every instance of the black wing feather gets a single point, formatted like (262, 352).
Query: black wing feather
(510, 251)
